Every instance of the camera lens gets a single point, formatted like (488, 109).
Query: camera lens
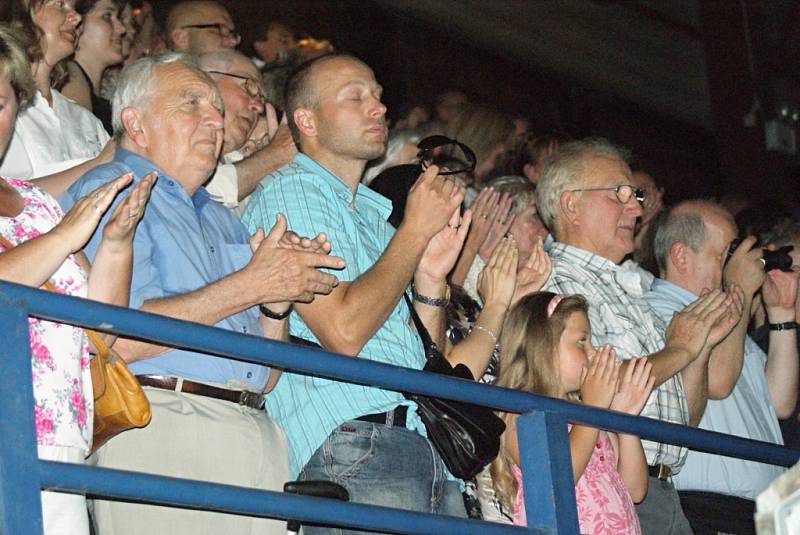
(778, 259)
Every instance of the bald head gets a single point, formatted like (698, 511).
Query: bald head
(238, 81)
(691, 244)
(200, 26)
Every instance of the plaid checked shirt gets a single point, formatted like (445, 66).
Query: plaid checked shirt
(620, 316)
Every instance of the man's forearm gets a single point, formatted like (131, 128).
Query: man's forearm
(727, 358)
(251, 170)
(782, 371)
(207, 305)
(695, 387)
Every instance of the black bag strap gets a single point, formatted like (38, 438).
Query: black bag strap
(425, 336)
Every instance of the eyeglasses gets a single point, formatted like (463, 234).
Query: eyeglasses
(427, 154)
(624, 192)
(251, 87)
(219, 28)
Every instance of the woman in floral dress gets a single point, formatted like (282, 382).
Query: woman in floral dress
(47, 246)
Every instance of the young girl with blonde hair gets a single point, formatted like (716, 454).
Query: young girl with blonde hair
(546, 350)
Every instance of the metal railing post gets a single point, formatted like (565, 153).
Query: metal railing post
(547, 472)
(20, 502)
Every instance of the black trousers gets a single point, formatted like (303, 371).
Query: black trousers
(710, 513)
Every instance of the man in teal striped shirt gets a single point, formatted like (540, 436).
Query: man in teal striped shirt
(369, 440)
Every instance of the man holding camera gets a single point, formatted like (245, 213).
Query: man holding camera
(747, 390)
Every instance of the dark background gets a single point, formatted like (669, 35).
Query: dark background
(670, 80)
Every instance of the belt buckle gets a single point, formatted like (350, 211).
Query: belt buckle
(663, 472)
(251, 399)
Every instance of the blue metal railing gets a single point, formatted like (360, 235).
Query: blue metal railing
(544, 451)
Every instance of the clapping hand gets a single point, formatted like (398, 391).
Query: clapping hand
(497, 280)
(634, 388)
(532, 276)
(599, 378)
(122, 223)
(443, 249)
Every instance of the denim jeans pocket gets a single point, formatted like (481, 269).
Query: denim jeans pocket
(348, 448)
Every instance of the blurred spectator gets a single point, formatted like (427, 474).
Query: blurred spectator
(100, 45)
(530, 153)
(274, 43)
(448, 104)
(651, 207)
(199, 26)
(411, 116)
(54, 140)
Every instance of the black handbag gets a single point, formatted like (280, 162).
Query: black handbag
(466, 436)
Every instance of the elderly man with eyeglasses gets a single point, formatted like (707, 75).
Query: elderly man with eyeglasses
(200, 26)
(587, 199)
(246, 111)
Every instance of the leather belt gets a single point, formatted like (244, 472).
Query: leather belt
(242, 397)
(660, 471)
(395, 417)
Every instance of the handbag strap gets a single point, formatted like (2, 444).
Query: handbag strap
(427, 341)
(99, 345)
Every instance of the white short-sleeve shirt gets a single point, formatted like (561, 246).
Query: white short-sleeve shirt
(48, 139)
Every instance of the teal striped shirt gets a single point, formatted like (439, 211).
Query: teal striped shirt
(314, 200)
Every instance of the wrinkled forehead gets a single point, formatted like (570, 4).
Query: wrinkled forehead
(205, 13)
(175, 79)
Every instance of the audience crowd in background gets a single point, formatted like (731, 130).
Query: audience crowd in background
(150, 158)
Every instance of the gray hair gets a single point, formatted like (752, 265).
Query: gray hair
(136, 84)
(519, 188)
(784, 232)
(565, 171)
(678, 226)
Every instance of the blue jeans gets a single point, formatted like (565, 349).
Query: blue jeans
(382, 465)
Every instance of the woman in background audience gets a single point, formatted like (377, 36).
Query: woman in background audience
(40, 244)
(54, 139)
(99, 46)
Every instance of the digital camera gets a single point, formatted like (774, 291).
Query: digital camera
(777, 259)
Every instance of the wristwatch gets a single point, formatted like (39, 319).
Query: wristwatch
(274, 315)
(787, 326)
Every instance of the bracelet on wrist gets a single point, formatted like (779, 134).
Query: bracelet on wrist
(432, 301)
(786, 326)
(485, 330)
(275, 315)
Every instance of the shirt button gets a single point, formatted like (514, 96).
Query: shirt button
(249, 375)
(170, 182)
(602, 458)
(212, 249)
(244, 328)
(597, 445)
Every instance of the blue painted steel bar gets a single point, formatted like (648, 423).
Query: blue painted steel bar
(307, 360)
(544, 452)
(20, 505)
(240, 500)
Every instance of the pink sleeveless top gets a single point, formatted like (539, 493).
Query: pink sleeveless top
(604, 505)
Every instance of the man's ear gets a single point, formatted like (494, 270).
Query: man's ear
(179, 38)
(678, 257)
(132, 123)
(570, 208)
(306, 122)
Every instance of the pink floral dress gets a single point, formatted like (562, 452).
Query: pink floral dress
(62, 383)
(604, 505)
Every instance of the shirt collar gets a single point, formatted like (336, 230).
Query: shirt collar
(141, 166)
(364, 195)
(577, 256)
(668, 288)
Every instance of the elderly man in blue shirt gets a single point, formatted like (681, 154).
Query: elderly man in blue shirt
(746, 389)
(369, 440)
(194, 260)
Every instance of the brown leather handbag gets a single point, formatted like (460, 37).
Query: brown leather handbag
(119, 401)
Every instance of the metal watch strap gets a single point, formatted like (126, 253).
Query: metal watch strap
(432, 301)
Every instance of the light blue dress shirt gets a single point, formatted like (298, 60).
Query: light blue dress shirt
(746, 412)
(314, 200)
(182, 244)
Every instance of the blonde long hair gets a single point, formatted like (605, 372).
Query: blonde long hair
(529, 362)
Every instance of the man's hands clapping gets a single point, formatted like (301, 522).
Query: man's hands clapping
(284, 266)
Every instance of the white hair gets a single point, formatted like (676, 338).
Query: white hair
(391, 157)
(565, 170)
(136, 84)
